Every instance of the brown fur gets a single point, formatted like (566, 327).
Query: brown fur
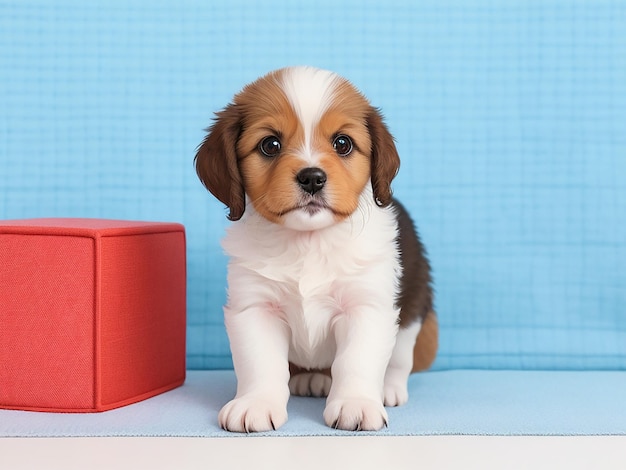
(385, 158)
(216, 161)
(427, 344)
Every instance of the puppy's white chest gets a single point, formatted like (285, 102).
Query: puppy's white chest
(310, 279)
(311, 344)
(309, 304)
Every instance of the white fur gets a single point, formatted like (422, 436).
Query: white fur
(396, 392)
(301, 220)
(311, 279)
(310, 91)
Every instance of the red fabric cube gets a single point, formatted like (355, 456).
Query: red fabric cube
(92, 313)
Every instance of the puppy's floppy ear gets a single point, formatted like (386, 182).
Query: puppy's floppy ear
(385, 159)
(216, 161)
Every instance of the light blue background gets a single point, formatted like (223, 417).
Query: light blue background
(510, 118)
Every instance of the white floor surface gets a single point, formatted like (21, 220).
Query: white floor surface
(302, 453)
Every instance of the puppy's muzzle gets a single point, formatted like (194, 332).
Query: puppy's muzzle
(311, 180)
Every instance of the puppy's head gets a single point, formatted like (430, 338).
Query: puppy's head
(300, 144)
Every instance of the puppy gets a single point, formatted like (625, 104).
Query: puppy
(328, 283)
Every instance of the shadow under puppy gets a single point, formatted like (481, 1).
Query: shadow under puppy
(328, 283)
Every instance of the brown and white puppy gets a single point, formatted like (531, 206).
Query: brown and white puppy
(328, 284)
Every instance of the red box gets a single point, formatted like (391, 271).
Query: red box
(92, 313)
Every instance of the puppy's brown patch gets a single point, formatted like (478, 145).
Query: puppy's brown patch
(347, 176)
(269, 181)
(427, 343)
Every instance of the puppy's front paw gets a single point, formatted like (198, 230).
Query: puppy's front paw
(357, 414)
(253, 413)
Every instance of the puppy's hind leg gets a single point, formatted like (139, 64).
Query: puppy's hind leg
(395, 388)
(309, 383)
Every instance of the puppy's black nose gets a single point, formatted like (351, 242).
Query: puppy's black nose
(311, 180)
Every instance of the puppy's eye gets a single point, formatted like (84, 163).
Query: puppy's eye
(343, 145)
(270, 146)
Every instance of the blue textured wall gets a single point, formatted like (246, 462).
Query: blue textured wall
(510, 118)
